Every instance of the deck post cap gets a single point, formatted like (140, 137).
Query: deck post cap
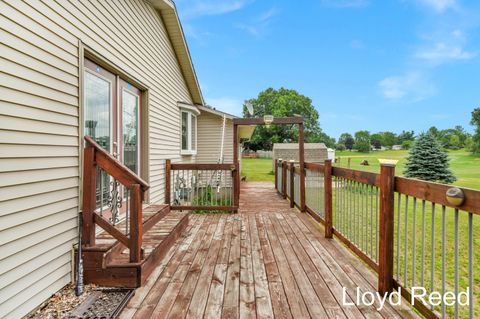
(388, 162)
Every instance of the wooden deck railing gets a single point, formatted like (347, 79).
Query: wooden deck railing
(202, 187)
(112, 199)
(407, 230)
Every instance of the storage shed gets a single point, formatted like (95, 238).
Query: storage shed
(314, 152)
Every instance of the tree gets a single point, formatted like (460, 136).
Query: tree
(376, 144)
(377, 140)
(283, 103)
(405, 136)
(388, 139)
(475, 142)
(362, 141)
(433, 131)
(347, 140)
(349, 143)
(406, 145)
(462, 134)
(428, 161)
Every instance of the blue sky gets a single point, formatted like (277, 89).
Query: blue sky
(366, 64)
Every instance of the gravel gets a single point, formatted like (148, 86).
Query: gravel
(94, 303)
(61, 303)
(102, 304)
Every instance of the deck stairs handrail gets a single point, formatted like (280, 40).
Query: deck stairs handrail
(111, 191)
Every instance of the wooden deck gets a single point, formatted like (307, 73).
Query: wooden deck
(267, 261)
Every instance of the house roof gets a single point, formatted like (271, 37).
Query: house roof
(216, 112)
(168, 12)
(244, 131)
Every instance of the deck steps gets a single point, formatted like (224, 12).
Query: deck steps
(108, 264)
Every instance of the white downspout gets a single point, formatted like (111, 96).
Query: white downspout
(220, 160)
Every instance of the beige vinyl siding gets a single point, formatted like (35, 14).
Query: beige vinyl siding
(39, 127)
(209, 135)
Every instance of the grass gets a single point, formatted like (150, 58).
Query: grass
(258, 169)
(465, 166)
(467, 170)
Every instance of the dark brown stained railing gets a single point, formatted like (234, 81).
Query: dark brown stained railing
(202, 187)
(110, 189)
(405, 229)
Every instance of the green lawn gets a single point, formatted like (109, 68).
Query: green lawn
(258, 169)
(466, 167)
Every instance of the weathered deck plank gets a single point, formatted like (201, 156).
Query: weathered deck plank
(269, 261)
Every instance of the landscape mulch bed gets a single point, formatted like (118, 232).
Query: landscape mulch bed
(94, 303)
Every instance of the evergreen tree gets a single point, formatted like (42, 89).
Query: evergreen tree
(428, 161)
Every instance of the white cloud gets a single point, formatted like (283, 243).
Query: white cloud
(227, 104)
(439, 6)
(201, 37)
(259, 25)
(411, 87)
(196, 8)
(249, 28)
(267, 15)
(345, 3)
(442, 52)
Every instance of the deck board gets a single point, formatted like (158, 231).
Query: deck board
(268, 261)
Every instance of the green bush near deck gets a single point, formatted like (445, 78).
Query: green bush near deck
(207, 198)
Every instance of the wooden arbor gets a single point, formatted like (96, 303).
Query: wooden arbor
(301, 150)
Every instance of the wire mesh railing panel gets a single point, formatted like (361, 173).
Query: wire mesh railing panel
(435, 249)
(202, 188)
(314, 192)
(356, 214)
(280, 179)
(296, 189)
(288, 181)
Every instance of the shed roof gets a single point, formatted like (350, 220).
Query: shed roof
(294, 146)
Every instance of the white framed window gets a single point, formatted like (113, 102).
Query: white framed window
(188, 132)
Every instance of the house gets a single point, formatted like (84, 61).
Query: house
(397, 147)
(215, 136)
(119, 71)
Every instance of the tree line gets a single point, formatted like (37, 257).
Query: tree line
(364, 141)
(287, 102)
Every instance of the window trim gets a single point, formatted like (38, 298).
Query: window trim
(191, 149)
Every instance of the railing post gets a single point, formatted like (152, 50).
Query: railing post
(236, 190)
(292, 184)
(275, 169)
(136, 225)
(385, 259)
(301, 159)
(279, 180)
(89, 196)
(327, 188)
(284, 179)
(168, 168)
